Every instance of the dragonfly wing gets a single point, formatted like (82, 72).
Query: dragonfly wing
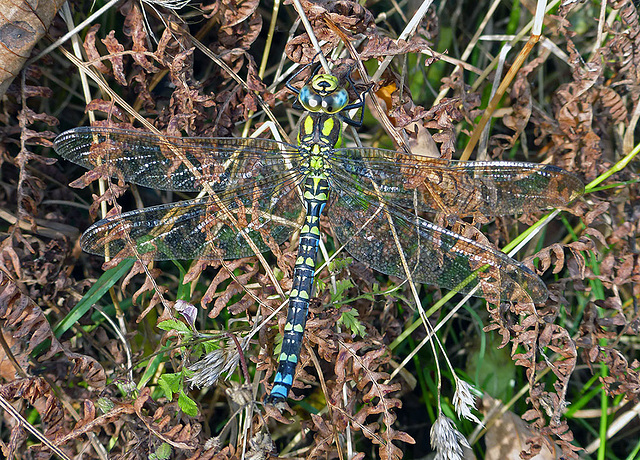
(213, 227)
(174, 163)
(373, 233)
(457, 188)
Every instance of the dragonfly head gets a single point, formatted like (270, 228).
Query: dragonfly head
(323, 94)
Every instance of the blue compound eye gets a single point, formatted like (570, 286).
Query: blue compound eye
(310, 100)
(323, 94)
(335, 102)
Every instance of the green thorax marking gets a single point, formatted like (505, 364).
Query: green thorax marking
(320, 129)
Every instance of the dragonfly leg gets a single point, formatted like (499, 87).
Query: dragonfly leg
(302, 69)
(359, 104)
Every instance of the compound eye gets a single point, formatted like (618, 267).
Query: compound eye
(310, 100)
(336, 101)
(314, 103)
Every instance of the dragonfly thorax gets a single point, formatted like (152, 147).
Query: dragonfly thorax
(319, 133)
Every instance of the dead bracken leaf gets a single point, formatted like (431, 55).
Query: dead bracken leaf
(27, 323)
(122, 386)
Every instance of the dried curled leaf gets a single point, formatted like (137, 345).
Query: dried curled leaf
(26, 322)
(163, 423)
(38, 394)
(350, 16)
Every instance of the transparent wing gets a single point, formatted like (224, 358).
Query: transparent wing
(214, 227)
(453, 187)
(174, 163)
(373, 232)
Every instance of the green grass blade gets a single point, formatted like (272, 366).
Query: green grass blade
(93, 295)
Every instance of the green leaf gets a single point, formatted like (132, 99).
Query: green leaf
(341, 287)
(210, 345)
(278, 346)
(337, 265)
(320, 285)
(187, 374)
(187, 404)
(174, 325)
(349, 319)
(105, 405)
(184, 290)
(166, 389)
(163, 452)
(150, 371)
(170, 384)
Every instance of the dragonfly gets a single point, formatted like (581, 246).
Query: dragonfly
(261, 191)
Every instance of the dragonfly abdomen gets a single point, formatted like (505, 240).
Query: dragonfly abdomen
(316, 190)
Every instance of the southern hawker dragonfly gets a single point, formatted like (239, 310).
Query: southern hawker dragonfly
(264, 190)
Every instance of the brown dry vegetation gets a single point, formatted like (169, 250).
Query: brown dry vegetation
(96, 393)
